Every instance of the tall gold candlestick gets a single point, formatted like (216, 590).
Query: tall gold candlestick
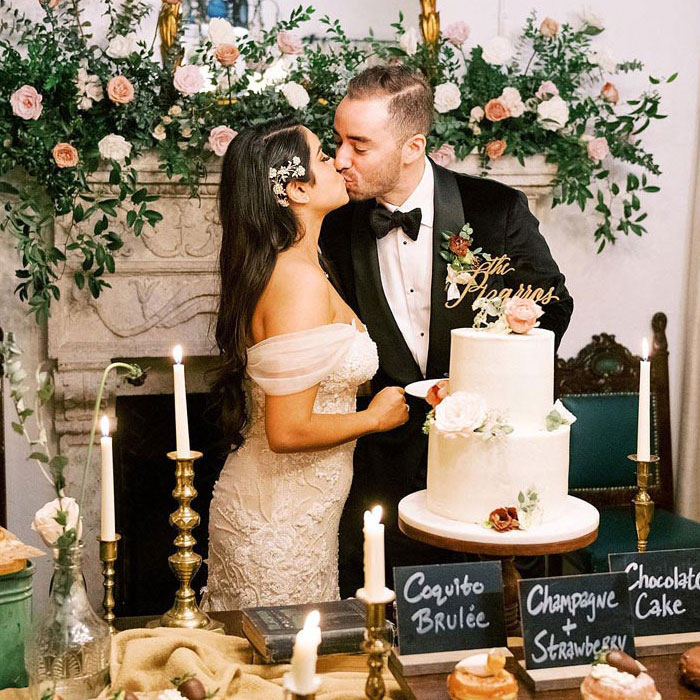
(375, 645)
(108, 555)
(186, 562)
(169, 20)
(643, 503)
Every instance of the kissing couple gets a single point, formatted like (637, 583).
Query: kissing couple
(331, 276)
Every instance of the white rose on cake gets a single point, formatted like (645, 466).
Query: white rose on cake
(461, 413)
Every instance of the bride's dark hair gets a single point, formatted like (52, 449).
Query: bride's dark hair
(256, 228)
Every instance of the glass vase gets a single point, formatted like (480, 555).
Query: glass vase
(67, 652)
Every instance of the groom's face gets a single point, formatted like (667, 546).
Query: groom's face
(368, 153)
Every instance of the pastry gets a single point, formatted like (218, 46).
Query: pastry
(482, 677)
(615, 675)
(689, 666)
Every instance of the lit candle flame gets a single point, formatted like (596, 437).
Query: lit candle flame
(104, 426)
(312, 620)
(377, 514)
(177, 354)
(645, 349)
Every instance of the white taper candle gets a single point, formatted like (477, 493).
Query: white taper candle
(182, 431)
(643, 425)
(374, 554)
(107, 521)
(303, 672)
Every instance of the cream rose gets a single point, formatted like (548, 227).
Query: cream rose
(296, 94)
(26, 102)
(290, 43)
(552, 114)
(409, 41)
(447, 97)
(188, 80)
(89, 89)
(220, 137)
(114, 147)
(495, 110)
(591, 19)
(511, 99)
(45, 520)
(159, 132)
(547, 89)
(610, 94)
(549, 27)
(476, 114)
(460, 413)
(227, 54)
(498, 51)
(445, 155)
(521, 314)
(605, 59)
(65, 155)
(495, 149)
(457, 33)
(175, 111)
(120, 90)
(598, 149)
(221, 31)
(121, 47)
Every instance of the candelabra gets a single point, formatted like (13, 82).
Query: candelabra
(643, 503)
(375, 644)
(108, 556)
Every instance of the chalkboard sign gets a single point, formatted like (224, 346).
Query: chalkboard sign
(446, 607)
(664, 589)
(567, 619)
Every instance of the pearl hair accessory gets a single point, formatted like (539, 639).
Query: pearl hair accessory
(282, 175)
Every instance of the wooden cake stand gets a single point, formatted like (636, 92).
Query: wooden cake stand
(574, 531)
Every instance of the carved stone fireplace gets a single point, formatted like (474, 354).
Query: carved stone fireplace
(163, 292)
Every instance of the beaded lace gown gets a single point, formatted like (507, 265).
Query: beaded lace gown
(273, 520)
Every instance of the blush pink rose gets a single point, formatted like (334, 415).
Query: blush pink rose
(120, 90)
(290, 43)
(549, 27)
(522, 314)
(496, 110)
(220, 137)
(598, 148)
(610, 94)
(227, 54)
(445, 155)
(188, 80)
(546, 89)
(26, 102)
(437, 392)
(457, 33)
(65, 155)
(495, 149)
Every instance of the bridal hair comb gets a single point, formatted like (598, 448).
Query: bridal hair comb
(282, 175)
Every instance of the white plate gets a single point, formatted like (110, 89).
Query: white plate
(420, 389)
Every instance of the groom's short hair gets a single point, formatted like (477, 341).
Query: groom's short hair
(410, 96)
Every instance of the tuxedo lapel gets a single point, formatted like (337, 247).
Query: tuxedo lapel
(395, 356)
(449, 216)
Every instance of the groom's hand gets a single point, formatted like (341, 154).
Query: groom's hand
(390, 408)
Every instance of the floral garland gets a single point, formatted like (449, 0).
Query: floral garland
(69, 106)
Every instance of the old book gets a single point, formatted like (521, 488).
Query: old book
(271, 630)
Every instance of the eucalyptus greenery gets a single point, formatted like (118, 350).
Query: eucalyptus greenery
(49, 54)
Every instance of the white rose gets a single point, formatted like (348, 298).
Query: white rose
(114, 147)
(552, 114)
(447, 97)
(278, 72)
(45, 520)
(296, 94)
(498, 51)
(462, 412)
(121, 46)
(591, 19)
(409, 41)
(476, 114)
(186, 132)
(221, 31)
(175, 111)
(159, 132)
(511, 98)
(604, 58)
(566, 415)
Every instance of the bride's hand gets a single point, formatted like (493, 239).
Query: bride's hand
(390, 408)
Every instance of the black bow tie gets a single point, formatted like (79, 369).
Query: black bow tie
(382, 221)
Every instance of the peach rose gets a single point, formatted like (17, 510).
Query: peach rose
(504, 519)
(598, 148)
(65, 155)
(495, 149)
(120, 90)
(26, 102)
(549, 27)
(52, 4)
(443, 155)
(290, 43)
(226, 54)
(609, 93)
(188, 80)
(220, 137)
(437, 392)
(522, 314)
(496, 110)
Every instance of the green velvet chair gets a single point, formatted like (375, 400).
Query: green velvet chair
(600, 386)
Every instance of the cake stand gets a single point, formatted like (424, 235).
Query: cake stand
(577, 529)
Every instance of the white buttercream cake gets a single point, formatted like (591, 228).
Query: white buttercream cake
(491, 443)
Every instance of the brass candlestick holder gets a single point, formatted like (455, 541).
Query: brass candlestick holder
(375, 645)
(643, 503)
(108, 555)
(185, 562)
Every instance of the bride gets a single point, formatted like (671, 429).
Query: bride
(293, 355)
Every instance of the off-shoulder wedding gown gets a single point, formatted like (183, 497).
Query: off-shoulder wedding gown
(273, 522)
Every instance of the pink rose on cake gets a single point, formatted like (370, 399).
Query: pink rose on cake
(461, 413)
(522, 314)
(437, 392)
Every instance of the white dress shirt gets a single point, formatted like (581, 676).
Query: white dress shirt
(406, 269)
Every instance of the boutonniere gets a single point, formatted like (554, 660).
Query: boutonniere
(462, 261)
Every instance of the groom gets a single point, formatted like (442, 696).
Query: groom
(384, 249)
